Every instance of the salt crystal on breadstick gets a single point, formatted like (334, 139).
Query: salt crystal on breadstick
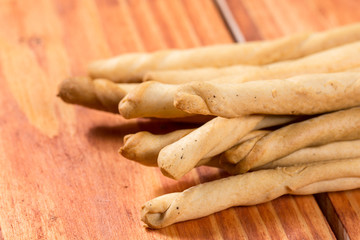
(250, 189)
(99, 94)
(337, 126)
(132, 67)
(210, 139)
(304, 94)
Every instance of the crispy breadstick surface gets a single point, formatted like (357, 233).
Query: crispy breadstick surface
(98, 94)
(250, 189)
(210, 139)
(336, 59)
(151, 99)
(337, 126)
(144, 147)
(327, 152)
(304, 94)
(238, 152)
(199, 74)
(132, 67)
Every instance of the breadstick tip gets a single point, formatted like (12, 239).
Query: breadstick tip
(75, 89)
(126, 107)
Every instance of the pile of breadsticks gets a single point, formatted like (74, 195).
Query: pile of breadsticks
(282, 116)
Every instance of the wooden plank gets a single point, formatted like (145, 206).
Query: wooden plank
(61, 176)
(266, 19)
(231, 23)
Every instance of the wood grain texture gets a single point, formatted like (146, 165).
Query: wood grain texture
(60, 174)
(267, 19)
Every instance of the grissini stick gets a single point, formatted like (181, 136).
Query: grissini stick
(102, 94)
(326, 152)
(304, 94)
(250, 189)
(99, 94)
(343, 125)
(330, 151)
(336, 59)
(144, 147)
(154, 99)
(212, 138)
(132, 67)
(151, 99)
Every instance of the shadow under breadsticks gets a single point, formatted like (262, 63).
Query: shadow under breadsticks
(116, 133)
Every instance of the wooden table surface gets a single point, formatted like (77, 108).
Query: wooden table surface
(60, 174)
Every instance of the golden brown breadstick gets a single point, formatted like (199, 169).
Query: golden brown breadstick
(99, 94)
(250, 189)
(151, 99)
(132, 67)
(210, 139)
(304, 94)
(327, 152)
(333, 60)
(337, 126)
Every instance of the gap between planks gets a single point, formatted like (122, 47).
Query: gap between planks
(331, 216)
(229, 20)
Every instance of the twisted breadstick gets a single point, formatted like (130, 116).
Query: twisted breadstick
(337, 126)
(132, 67)
(304, 94)
(327, 152)
(210, 139)
(153, 99)
(99, 94)
(250, 189)
(336, 59)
